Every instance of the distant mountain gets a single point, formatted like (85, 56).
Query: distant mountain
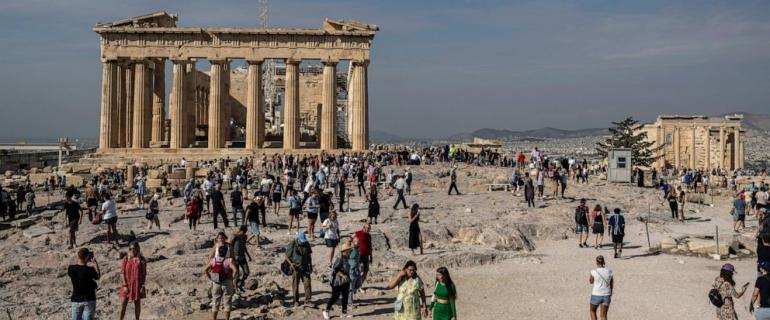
(542, 133)
(385, 137)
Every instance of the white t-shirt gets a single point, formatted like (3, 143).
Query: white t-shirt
(332, 231)
(109, 209)
(602, 279)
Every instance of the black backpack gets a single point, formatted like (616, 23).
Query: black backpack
(716, 297)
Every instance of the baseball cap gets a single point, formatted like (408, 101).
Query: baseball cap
(729, 267)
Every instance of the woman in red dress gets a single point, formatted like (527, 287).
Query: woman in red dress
(133, 272)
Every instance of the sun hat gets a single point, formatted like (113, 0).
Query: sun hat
(345, 246)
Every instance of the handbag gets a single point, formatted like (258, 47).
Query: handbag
(398, 306)
(286, 268)
(149, 215)
(97, 219)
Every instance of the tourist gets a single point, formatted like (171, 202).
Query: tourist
(400, 184)
(564, 177)
(603, 281)
(540, 183)
(581, 224)
(761, 293)
(453, 181)
(236, 205)
(218, 204)
(410, 302)
(555, 180)
(276, 192)
(681, 198)
(726, 286)
(340, 280)
(360, 179)
(152, 212)
(208, 187)
(331, 227)
(324, 205)
(374, 205)
(311, 210)
(762, 197)
(364, 240)
(598, 224)
(408, 179)
(739, 213)
(295, 210)
(354, 262)
(193, 211)
(29, 198)
(219, 241)
(133, 273)
(140, 182)
(223, 274)
(444, 296)
(299, 255)
(240, 253)
(110, 218)
(92, 201)
(415, 236)
(74, 215)
(83, 278)
(252, 215)
(529, 191)
(617, 225)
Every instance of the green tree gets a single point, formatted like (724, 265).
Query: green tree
(628, 134)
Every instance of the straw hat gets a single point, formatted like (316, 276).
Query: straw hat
(345, 246)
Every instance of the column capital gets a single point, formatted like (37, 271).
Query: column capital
(181, 61)
(293, 61)
(362, 63)
(220, 62)
(330, 62)
(255, 61)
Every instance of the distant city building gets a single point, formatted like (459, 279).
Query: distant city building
(698, 142)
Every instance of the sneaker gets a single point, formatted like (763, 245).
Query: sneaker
(326, 315)
(580, 245)
(348, 316)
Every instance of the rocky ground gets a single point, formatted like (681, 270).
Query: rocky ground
(508, 261)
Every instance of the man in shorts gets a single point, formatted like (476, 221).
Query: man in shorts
(295, 209)
(617, 224)
(581, 223)
(223, 274)
(74, 216)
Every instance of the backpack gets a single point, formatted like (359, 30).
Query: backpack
(716, 297)
(219, 271)
(581, 213)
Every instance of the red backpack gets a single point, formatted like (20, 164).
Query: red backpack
(220, 270)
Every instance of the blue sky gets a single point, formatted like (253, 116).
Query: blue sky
(438, 67)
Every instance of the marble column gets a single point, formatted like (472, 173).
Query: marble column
(158, 100)
(188, 115)
(329, 107)
(351, 97)
(359, 130)
(129, 115)
(107, 130)
(742, 158)
(693, 151)
(216, 132)
(707, 149)
(176, 104)
(736, 148)
(291, 132)
(722, 148)
(677, 162)
(120, 84)
(142, 106)
(255, 110)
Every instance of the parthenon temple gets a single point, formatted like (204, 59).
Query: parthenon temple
(698, 142)
(226, 107)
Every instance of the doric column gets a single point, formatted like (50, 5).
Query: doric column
(737, 148)
(142, 106)
(707, 149)
(120, 85)
(693, 153)
(329, 107)
(107, 130)
(188, 114)
(722, 145)
(255, 111)
(216, 132)
(291, 130)
(360, 126)
(742, 158)
(351, 97)
(158, 100)
(677, 162)
(175, 108)
(129, 115)
(661, 139)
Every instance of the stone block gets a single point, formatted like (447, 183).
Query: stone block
(22, 223)
(707, 247)
(37, 231)
(49, 214)
(667, 243)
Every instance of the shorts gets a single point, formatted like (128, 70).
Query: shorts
(601, 300)
(73, 226)
(276, 197)
(295, 212)
(740, 217)
(221, 293)
(92, 202)
(111, 221)
(581, 228)
(617, 239)
(312, 215)
(331, 243)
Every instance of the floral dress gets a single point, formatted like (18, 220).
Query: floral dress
(727, 311)
(409, 293)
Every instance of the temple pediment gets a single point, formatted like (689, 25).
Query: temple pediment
(151, 20)
(331, 25)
